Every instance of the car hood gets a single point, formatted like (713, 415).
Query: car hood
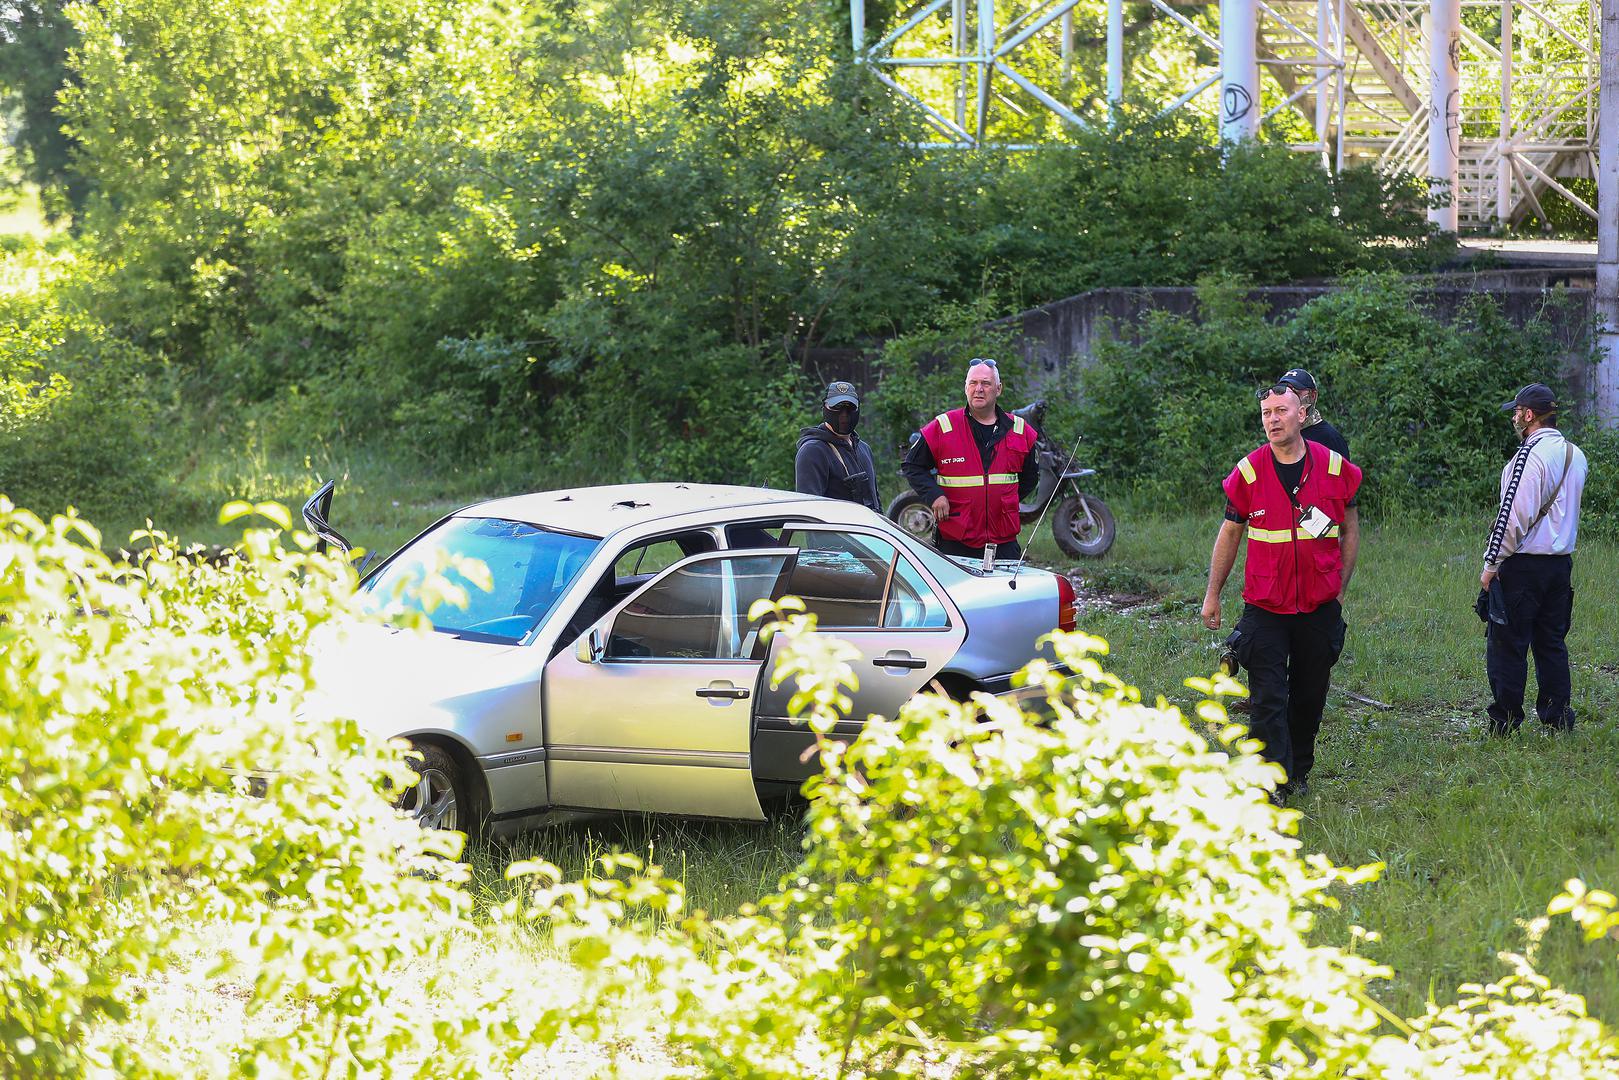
(399, 681)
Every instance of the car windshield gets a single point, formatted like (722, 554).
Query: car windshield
(529, 568)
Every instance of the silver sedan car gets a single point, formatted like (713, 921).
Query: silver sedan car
(612, 666)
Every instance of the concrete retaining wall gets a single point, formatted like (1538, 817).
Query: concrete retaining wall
(1067, 332)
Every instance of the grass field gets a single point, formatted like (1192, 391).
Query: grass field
(1477, 835)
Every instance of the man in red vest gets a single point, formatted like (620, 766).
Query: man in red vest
(985, 462)
(1295, 500)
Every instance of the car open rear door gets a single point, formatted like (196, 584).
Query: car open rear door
(865, 590)
(654, 708)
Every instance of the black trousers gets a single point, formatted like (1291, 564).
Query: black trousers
(1539, 600)
(1009, 550)
(1289, 660)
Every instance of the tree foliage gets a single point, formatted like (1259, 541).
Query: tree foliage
(36, 37)
(631, 223)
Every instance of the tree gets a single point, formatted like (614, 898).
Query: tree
(36, 37)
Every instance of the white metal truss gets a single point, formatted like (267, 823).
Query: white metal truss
(1351, 81)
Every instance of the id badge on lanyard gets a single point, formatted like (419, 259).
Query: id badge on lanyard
(1314, 523)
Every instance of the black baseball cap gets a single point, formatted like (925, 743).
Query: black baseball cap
(1536, 396)
(840, 393)
(1297, 378)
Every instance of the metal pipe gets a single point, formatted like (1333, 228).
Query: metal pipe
(1444, 109)
(1323, 30)
(857, 27)
(1343, 86)
(1115, 56)
(1239, 70)
(958, 37)
(1503, 163)
(1606, 390)
(986, 49)
(1068, 47)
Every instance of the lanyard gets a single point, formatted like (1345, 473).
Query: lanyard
(1304, 474)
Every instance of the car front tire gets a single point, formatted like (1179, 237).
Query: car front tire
(439, 798)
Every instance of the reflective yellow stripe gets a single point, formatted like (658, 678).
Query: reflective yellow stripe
(1270, 536)
(961, 481)
(1003, 477)
(1017, 425)
(944, 422)
(1331, 531)
(1246, 469)
(1335, 463)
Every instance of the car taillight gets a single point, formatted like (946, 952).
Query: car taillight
(1067, 610)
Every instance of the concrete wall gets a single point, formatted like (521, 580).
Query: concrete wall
(1064, 332)
(1068, 331)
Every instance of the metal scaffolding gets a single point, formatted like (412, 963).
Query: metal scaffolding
(1494, 100)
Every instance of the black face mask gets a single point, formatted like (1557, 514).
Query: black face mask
(842, 421)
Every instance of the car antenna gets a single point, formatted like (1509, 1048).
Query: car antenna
(1024, 554)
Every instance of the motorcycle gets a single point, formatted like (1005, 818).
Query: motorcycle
(1082, 524)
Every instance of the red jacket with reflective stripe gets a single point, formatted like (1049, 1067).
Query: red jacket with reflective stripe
(983, 503)
(1287, 571)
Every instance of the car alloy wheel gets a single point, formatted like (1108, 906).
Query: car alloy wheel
(434, 801)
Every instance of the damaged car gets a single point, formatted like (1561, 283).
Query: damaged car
(611, 664)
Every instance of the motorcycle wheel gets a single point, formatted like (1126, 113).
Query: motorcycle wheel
(1077, 536)
(911, 513)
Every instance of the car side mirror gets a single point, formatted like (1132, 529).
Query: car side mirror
(590, 648)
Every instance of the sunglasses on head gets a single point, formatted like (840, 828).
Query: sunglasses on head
(1281, 388)
(984, 360)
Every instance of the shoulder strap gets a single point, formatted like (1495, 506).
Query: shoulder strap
(1545, 507)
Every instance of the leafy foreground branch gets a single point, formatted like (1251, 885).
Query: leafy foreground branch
(1105, 892)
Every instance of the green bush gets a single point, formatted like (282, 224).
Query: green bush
(1416, 398)
(78, 419)
(1103, 892)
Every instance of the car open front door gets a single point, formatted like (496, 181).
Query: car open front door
(654, 708)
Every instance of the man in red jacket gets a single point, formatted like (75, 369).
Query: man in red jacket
(985, 461)
(1295, 500)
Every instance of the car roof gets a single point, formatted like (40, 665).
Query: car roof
(601, 511)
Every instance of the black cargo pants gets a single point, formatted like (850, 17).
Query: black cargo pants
(1539, 601)
(1289, 660)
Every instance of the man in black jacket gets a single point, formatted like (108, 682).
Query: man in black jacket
(1316, 428)
(832, 460)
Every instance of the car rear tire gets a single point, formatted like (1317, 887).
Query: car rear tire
(913, 514)
(1079, 536)
(439, 799)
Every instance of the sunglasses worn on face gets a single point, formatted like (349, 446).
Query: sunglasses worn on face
(1266, 391)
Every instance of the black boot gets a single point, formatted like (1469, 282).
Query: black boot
(1500, 722)
(1555, 713)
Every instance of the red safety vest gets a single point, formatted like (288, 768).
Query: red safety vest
(983, 502)
(1287, 571)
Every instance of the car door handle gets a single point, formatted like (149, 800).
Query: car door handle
(900, 662)
(735, 693)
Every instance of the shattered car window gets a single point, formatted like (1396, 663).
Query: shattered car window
(529, 569)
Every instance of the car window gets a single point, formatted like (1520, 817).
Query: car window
(529, 569)
(652, 557)
(754, 534)
(697, 612)
(912, 603)
(841, 577)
